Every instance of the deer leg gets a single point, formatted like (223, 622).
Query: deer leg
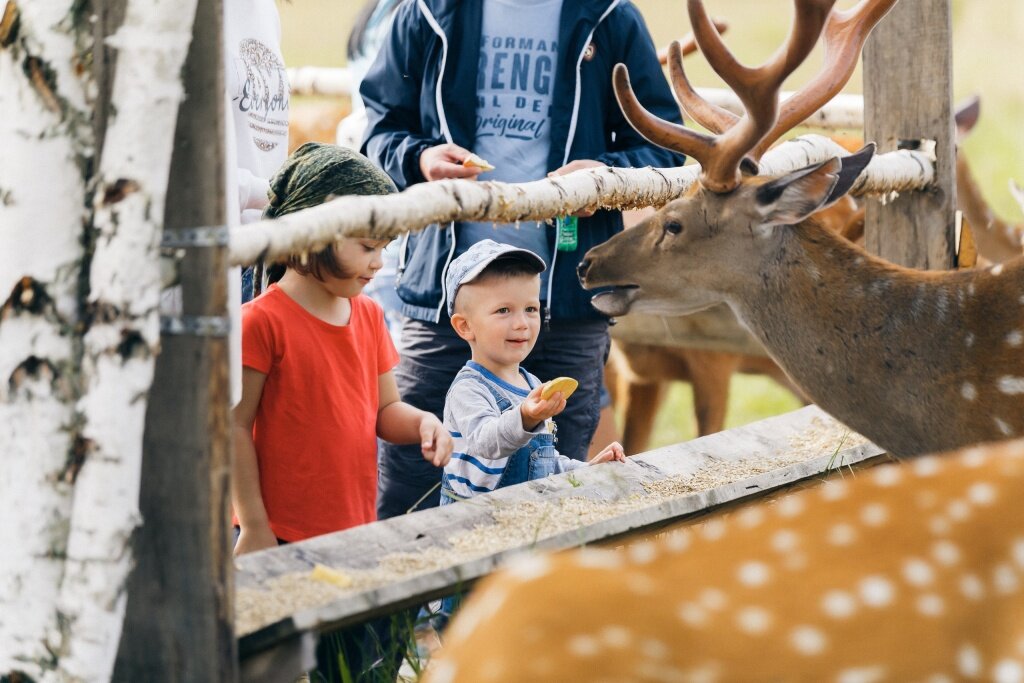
(710, 372)
(640, 406)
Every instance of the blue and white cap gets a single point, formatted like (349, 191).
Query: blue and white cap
(469, 265)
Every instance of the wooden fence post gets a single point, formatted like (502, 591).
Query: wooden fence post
(180, 620)
(908, 96)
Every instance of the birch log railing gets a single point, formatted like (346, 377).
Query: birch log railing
(409, 559)
(611, 188)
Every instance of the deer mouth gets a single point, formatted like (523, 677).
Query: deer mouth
(616, 301)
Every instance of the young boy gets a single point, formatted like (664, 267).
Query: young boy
(502, 426)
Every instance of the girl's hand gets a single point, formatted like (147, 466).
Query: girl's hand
(253, 537)
(612, 451)
(535, 410)
(435, 441)
(445, 161)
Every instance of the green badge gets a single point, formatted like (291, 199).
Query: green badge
(568, 238)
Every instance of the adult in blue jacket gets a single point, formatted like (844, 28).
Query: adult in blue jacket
(525, 84)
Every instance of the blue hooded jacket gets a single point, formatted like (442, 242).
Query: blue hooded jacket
(420, 92)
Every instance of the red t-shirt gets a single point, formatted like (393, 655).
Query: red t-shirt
(315, 428)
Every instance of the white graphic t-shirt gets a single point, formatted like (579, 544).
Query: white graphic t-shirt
(518, 61)
(258, 97)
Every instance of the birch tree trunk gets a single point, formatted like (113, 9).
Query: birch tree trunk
(80, 330)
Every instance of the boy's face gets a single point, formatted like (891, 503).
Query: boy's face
(360, 259)
(500, 318)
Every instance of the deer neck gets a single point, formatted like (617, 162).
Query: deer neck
(849, 328)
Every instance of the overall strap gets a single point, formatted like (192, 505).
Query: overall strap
(503, 403)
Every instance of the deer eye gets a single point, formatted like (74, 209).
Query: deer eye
(673, 227)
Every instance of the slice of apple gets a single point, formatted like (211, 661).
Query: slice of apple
(476, 162)
(566, 385)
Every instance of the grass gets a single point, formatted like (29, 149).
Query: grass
(986, 50)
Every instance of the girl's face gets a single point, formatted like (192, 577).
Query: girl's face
(360, 259)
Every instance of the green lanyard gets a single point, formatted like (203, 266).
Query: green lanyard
(568, 237)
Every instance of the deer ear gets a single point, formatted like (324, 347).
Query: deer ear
(795, 196)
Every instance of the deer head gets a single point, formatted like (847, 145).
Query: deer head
(916, 361)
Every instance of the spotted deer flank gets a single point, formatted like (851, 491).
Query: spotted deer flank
(904, 572)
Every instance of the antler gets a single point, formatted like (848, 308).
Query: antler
(758, 89)
(844, 35)
(688, 43)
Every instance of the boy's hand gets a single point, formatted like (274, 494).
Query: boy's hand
(445, 161)
(576, 166)
(435, 441)
(612, 451)
(253, 537)
(535, 410)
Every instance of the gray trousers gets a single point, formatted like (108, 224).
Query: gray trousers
(431, 357)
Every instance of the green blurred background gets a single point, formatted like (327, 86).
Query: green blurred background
(988, 60)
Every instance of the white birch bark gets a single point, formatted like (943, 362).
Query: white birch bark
(612, 188)
(121, 344)
(47, 137)
(72, 387)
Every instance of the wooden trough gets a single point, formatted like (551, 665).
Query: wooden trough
(408, 560)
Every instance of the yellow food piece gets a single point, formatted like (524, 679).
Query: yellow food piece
(328, 575)
(566, 385)
(474, 160)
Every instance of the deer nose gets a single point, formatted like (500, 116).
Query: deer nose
(581, 270)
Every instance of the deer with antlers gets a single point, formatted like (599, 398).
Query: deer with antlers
(910, 572)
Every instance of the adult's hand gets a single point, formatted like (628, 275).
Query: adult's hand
(445, 161)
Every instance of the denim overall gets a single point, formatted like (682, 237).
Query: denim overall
(536, 460)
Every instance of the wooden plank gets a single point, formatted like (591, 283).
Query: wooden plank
(596, 504)
(715, 329)
(179, 625)
(908, 96)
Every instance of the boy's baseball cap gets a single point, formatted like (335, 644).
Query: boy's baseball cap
(469, 265)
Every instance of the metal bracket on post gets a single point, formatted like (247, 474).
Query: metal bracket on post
(196, 325)
(187, 238)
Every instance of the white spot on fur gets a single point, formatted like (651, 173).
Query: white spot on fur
(1004, 428)
(528, 567)
(969, 339)
(443, 671)
(616, 636)
(592, 558)
(1015, 338)
(931, 605)
(807, 640)
(970, 289)
(917, 572)
(876, 591)
(973, 457)
(1008, 671)
(584, 646)
(968, 660)
(643, 552)
(838, 604)
(753, 574)
(692, 614)
(753, 620)
(1004, 579)
(874, 514)
(939, 525)
(841, 534)
(653, 648)
(713, 529)
(864, 674)
(982, 493)
(997, 269)
(945, 553)
(928, 466)
(639, 584)
(886, 476)
(972, 587)
(713, 599)
(958, 510)
(968, 391)
(1011, 385)
(677, 541)
(1017, 551)
(750, 517)
(791, 506)
(834, 489)
(784, 540)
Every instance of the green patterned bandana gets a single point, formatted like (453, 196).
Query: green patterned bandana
(316, 171)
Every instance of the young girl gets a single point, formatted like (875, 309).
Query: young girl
(317, 383)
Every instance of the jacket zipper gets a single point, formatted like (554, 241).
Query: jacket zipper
(443, 119)
(568, 148)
